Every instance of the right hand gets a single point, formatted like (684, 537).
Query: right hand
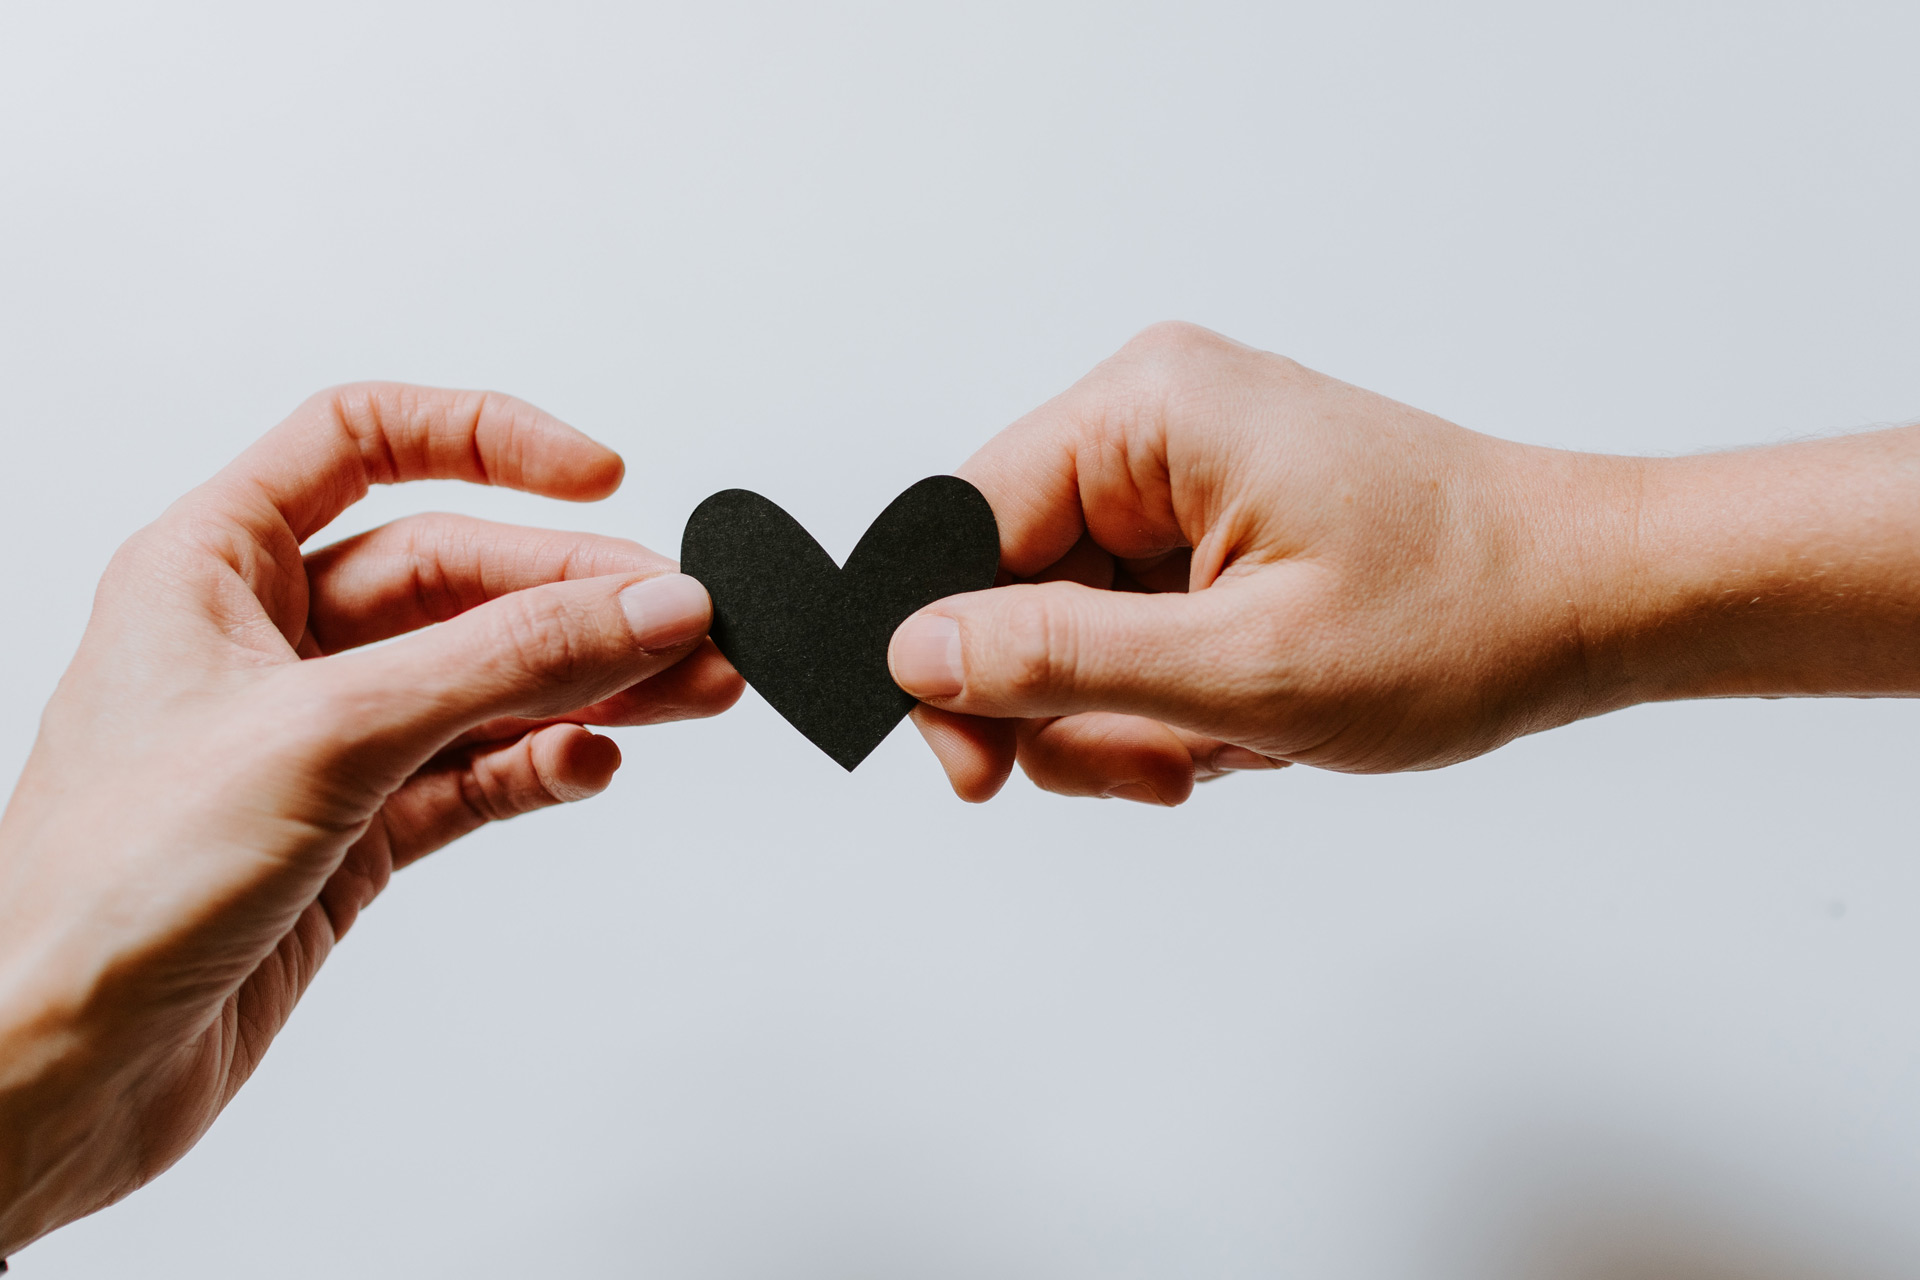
(1227, 561)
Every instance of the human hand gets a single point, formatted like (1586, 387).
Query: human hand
(225, 777)
(1226, 561)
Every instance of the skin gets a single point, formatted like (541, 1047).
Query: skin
(225, 777)
(1219, 560)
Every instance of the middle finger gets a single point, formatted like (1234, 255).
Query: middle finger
(429, 568)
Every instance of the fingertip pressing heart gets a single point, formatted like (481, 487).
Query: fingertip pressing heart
(924, 656)
(666, 612)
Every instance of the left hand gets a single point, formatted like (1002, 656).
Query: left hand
(225, 777)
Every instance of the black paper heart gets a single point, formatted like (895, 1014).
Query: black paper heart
(811, 636)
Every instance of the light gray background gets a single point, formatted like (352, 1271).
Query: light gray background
(1636, 1000)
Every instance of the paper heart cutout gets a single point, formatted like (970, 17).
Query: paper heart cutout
(812, 636)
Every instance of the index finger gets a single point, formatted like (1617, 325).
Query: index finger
(1097, 459)
(1029, 474)
(325, 457)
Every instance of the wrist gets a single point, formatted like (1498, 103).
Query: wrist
(1579, 512)
(1790, 570)
(60, 1077)
(41, 1128)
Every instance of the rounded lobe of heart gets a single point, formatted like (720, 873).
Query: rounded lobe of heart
(811, 637)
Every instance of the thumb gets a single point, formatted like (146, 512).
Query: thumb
(533, 653)
(1058, 648)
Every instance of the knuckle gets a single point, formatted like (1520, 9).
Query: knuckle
(1171, 362)
(355, 406)
(359, 410)
(1176, 338)
(390, 425)
(485, 795)
(539, 641)
(425, 544)
(129, 562)
(362, 393)
(195, 533)
(1174, 353)
(1178, 360)
(1036, 647)
(513, 421)
(501, 785)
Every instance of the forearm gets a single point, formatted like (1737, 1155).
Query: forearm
(1789, 570)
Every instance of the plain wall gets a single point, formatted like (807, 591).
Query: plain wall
(1634, 1000)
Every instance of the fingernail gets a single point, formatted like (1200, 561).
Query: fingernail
(1139, 792)
(1230, 758)
(925, 656)
(666, 611)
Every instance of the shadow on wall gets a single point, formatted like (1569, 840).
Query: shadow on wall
(1629, 1249)
(1623, 1210)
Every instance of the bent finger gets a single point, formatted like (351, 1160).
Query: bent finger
(976, 753)
(1129, 757)
(491, 783)
(1101, 458)
(1104, 754)
(326, 455)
